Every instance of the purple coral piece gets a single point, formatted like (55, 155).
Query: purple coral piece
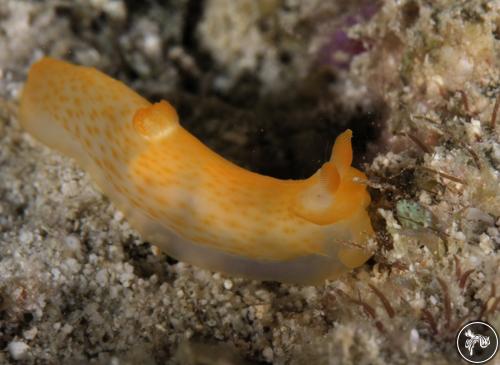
(339, 50)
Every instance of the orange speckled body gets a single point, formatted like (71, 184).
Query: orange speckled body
(190, 201)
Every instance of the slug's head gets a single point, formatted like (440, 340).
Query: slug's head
(337, 190)
(156, 121)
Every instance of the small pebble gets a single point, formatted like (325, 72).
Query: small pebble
(414, 338)
(73, 243)
(18, 350)
(268, 354)
(30, 334)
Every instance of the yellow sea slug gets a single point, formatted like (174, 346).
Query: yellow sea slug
(188, 200)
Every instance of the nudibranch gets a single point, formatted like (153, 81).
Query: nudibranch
(188, 200)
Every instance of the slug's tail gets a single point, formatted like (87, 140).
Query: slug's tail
(62, 105)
